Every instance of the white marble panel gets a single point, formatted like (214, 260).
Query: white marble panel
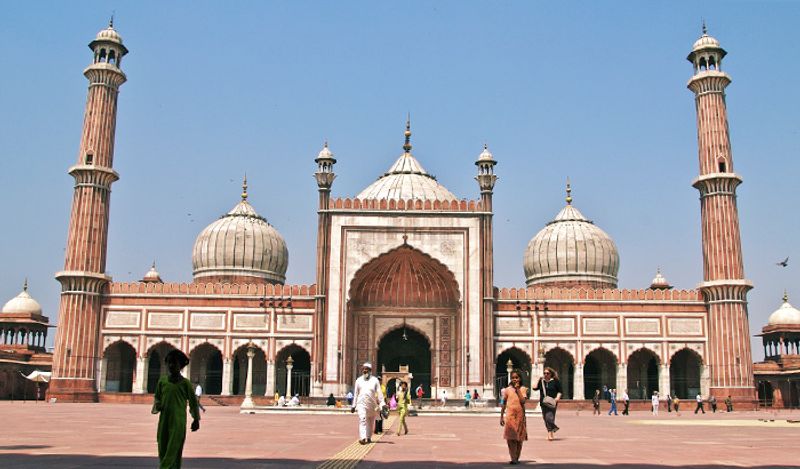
(600, 326)
(250, 322)
(122, 319)
(643, 326)
(207, 321)
(557, 325)
(685, 326)
(294, 323)
(165, 321)
(520, 325)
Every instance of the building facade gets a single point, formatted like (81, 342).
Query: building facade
(405, 277)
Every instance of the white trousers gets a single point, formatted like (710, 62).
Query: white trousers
(366, 423)
(655, 409)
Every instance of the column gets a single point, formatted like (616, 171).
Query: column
(248, 387)
(102, 365)
(705, 380)
(227, 376)
(270, 379)
(140, 382)
(577, 383)
(622, 378)
(664, 382)
(289, 366)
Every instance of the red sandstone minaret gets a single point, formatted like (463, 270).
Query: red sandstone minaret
(486, 181)
(83, 277)
(724, 286)
(324, 177)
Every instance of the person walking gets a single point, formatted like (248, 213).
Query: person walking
(467, 398)
(368, 401)
(403, 401)
(596, 402)
(173, 392)
(626, 400)
(419, 392)
(475, 396)
(654, 402)
(198, 391)
(613, 397)
(699, 400)
(512, 415)
(444, 397)
(669, 402)
(729, 404)
(549, 387)
(676, 402)
(349, 398)
(712, 401)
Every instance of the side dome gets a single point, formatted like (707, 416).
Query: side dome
(786, 315)
(571, 252)
(240, 247)
(22, 303)
(406, 179)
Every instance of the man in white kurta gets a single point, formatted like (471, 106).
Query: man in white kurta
(368, 401)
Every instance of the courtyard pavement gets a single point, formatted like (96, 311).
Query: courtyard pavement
(123, 436)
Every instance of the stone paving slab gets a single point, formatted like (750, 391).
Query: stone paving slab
(123, 436)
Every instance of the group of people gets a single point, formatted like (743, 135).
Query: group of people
(282, 401)
(672, 402)
(368, 400)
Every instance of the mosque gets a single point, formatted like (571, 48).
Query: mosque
(405, 277)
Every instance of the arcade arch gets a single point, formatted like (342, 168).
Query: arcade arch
(240, 371)
(156, 368)
(599, 369)
(301, 371)
(562, 361)
(405, 346)
(685, 369)
(205, 367)
(520, 361)
(120, 363)
(643, 374)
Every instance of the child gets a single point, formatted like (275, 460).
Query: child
(172, 394)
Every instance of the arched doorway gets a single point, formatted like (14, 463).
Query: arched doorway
(120, 360)
(599, 369)
(406, 286)
(520, 361)
(240, 371)
(301, 370)
(562, 361)
(765, 393)
(684, 373)
(156, 368)
(205, 364)
(643, 374)
(405, 346)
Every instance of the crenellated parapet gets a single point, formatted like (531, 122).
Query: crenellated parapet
(407, 205)
(535, 294)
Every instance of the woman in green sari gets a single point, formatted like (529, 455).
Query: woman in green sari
(173, 392)
(403, 401)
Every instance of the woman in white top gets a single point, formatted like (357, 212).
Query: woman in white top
(654, 401)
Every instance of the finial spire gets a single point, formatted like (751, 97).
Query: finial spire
(569, 192)
(785, 296)
(25, 285)
(111, 21)
(705, 30)
(244, 188)
(154, 264)
(407, 145)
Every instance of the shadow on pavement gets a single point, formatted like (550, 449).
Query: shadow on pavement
(16, 460)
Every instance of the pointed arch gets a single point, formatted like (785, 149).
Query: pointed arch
(120, 365)
(563, 363)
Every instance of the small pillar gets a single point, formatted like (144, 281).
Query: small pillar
(102, 365)
(664, 382)
(140, 383)
(577, 383)
(622, 378)
(227, 377)
(248, 387)
(289, 366)
(270, 391)
(705, 381)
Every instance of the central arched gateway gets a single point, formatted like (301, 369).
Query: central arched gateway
(405, 292)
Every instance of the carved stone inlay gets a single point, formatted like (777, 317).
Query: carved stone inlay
(213, 321)
(513, 325)
(598, 326)
(251, 322)
(294, 322)
(444, 354)
(165, 320)
(122, 319)
(643, 326)
(557, 325)
(685, 326)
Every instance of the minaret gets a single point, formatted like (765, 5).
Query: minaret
(486, 180)
(83, 278)
(724, 286)
(324, 177)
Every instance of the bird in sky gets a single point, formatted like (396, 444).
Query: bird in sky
(783, 263)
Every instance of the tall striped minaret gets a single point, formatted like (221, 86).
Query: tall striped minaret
(83, 278)
(724, 286)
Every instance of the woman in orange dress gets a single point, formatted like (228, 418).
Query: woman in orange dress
(512, 416)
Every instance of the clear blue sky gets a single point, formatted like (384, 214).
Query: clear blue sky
(591, 90)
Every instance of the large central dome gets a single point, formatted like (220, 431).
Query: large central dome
(407, 180)
(571, 251)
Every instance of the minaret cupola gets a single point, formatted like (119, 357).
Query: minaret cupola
(107, 46)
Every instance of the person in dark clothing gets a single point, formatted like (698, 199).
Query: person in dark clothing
(549, 386)
(729, 404)
(596, 402)
(669, 402)
(331, 400)
(699, 407)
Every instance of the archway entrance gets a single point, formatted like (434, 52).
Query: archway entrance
(520, 361)
(240, 372)
(562, 361)
(156, 368)
(599, 370)
(643, 374)
(405, 347)
(684, 374)
(301, 371)
(205, 364)
(120, 367)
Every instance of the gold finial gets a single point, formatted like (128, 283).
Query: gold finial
(25, 285)
(569, 192)
(244, 188)
(785, 296)
(407, 145)
(705, 30)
